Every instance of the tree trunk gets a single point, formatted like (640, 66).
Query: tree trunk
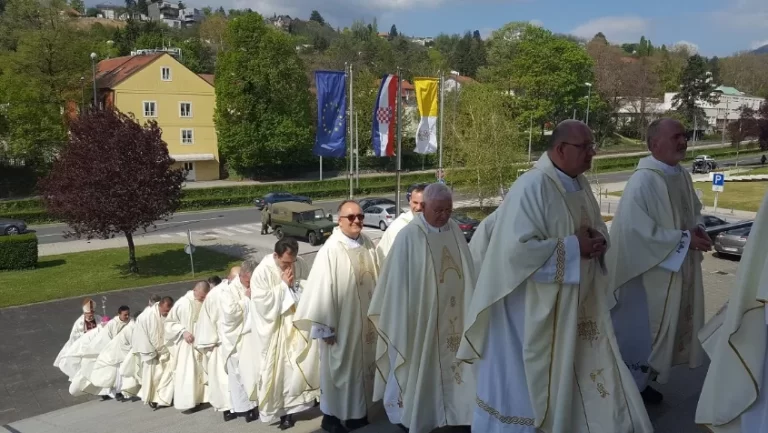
(133, 266)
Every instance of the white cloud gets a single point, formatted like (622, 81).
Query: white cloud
(759, 44)
(743, 15)
(615, 29)
(690, 46)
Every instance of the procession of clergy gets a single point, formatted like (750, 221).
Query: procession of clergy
(543, 323)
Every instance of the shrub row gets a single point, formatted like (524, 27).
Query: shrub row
(18, 252)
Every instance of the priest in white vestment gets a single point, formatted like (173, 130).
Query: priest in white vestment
(276, 288)
(655, 285)
(129, 370)
(537, 327)
(105, 373)
(415, 200)
(186, 360)
(207, 340)
(481, 239)
(333, 309)
(88, 349)
(155, 369)
(418, 310)
(735, 394)
(238, 344)
(88, 321)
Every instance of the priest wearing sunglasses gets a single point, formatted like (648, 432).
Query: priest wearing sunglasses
(333, 310)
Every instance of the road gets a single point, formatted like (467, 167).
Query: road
(245, 221)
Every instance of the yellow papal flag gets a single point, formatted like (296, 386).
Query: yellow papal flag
(426, 99)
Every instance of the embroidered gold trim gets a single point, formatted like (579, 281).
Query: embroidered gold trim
(560, 269)
(519, 420)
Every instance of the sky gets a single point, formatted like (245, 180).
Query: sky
(714, 27)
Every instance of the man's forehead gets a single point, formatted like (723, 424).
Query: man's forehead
(351, 208)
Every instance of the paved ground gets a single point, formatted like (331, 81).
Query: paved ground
(31, 386)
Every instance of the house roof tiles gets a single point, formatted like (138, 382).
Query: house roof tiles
(111, 72)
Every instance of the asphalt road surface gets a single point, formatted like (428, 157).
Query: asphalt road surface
(223, 218)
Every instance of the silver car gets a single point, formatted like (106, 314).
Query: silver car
(12, 227)
(732, 242)
(380, 216)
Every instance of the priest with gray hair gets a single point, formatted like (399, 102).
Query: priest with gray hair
(418, 310)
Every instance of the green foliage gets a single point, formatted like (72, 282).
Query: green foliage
(696, 85)
(78, 5)
(262, 113)
(316, 17)
(18, 252)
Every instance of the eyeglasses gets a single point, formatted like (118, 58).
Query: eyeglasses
(582, 146)
(351, 218)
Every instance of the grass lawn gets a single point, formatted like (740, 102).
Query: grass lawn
(761, 170)
(78, 274)
(479, 213)
(737, 195)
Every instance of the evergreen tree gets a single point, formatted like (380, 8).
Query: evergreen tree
(316, 17)
(393, 32)
(696, 86)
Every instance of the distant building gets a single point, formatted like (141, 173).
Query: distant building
(455, 81)
(282, 22)
(157, 87)
(728, 108)
(173, 16)
(109, 11)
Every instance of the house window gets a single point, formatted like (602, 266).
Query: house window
(150, 109)
(188, 166)
(187, 136)
(185, 109)
(165, 73)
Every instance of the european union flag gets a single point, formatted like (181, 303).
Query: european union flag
(331, 139)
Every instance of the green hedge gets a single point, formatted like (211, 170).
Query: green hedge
(18, 252)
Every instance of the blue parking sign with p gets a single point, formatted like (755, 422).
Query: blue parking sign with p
(718, 179)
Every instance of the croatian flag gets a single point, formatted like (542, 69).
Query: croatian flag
(385, 117)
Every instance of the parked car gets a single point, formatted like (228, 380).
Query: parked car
(703, 164)
(713, 221)
(466, 224)
(380, 216)
(374, 201)
(301, 220)
(279, 197)
(10, 227)
(732, 242)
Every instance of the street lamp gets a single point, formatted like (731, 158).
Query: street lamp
(93, 66)
(589, 96)
(82, 93)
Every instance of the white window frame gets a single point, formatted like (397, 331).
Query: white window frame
(181, 113)
(146, 113)
(191, 136)
(162, 74)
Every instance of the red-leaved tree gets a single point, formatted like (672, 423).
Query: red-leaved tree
(114, 177)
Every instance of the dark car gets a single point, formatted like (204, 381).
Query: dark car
(374, 201)
(12, 227)
(713, 221)
(279, 197)
(466, 224)
(732, 242)
(301, 220)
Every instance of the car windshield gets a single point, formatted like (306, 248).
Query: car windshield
(312, 215)
(391, 210)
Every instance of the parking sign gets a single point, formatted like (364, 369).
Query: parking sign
(718, 182)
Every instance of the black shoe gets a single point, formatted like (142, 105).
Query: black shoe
(354, 424)
(120, 397)
(331, 424)
(286, 422)
(153, 405)
(229, 416)
(651, 396)
(252, 415)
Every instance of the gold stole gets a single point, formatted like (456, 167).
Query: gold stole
(599, 392)
(365, 273)
(446, 261)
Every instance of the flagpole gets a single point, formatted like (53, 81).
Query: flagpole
(399, 141)
(357, 152)
(350, 107)
(321, 168)
(442, 98)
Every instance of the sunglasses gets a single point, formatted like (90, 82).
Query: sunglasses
(351, 218)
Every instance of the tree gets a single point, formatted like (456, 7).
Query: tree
(696, 85)
(78, 5)
(262, 100)
(393, 32)
(212, 31)
(142, 7)
(502, 49)
(714, 69)
(92, 12)
(182, 6)
(600, 38)
(127, 188)
(316, 17)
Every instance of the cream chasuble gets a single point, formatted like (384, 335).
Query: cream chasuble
(735, 394)
(537, 325)
(129, 372)
(418, 310)
(89, 346)
(481, 239)
(386, 241)
(336, 300)
(239, 347)
(273, 305)
(156, 371)
(207, 341)
(186, 361)
(105, 371)
(66, 360)
(655, 285)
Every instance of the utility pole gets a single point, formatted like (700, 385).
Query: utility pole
(399, 141)
(530, 139)
(95, 96)
(442, 106)
(351, 143)
(357, 153)
(589, 97)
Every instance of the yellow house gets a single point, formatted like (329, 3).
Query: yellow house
(158, 87)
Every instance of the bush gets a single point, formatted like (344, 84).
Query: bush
(18, 252)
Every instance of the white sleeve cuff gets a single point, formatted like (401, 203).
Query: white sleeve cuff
(320, 331)
(674, 260)
(564, 266)
(288, 298)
